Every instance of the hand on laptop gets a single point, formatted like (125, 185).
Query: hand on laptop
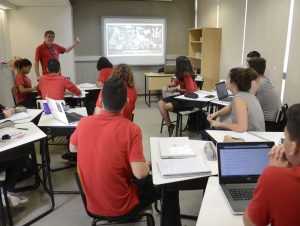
(277, 157)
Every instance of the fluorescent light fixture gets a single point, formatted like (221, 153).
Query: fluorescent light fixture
(287, 49)
(3, 7)
(244, 35)
(218, 12)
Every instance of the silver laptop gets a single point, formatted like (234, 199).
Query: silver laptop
(222, 92)
(240, 164)
(58, 112)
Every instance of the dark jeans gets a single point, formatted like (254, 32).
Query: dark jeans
(14, 171)
(149, 194)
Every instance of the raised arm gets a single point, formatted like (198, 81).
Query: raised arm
(68, 49)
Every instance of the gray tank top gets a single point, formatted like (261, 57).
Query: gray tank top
(256, 120)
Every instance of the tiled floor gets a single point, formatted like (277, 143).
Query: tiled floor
(69, 209)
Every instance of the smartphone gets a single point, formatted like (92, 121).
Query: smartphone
(46, 109)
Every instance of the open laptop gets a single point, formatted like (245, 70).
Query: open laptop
(58, 112)
(222, 92)
(240, 164)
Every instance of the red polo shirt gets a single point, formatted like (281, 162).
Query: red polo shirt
(276, 198)
(43, 53)
(25, 82)
(104, 74)
(107, 143)
(188, 83)
(130, 105)
(54, 86)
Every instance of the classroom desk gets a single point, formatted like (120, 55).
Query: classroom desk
(155, 81)
(33, 113)
(214, 209)
(199, 102)
(91, 97)
(13, 149)
(48, 122)
(183, 183)
(217, 136)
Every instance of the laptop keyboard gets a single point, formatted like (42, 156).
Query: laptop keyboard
(73, 117)
(241, 193)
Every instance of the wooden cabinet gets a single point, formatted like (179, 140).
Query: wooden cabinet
(204, 53)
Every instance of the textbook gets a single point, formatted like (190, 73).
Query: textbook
(188, 167)
(175, 147)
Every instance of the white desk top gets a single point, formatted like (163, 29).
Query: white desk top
(88, 86)
(214, 209)
(196, 145)
(201, 96)
(218, 135)
(219, 102)
(32, 134)
(49, 121)
(31, 112)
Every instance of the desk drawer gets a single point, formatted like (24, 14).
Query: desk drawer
(156, 83)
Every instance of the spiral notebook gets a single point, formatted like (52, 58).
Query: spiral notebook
(188, 167)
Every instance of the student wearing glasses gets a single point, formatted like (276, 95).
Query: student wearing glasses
(49, 50)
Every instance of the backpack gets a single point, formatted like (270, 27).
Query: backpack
(197, 122)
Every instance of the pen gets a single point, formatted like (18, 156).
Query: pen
(22, 128)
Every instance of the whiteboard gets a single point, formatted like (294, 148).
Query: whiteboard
(134, 40)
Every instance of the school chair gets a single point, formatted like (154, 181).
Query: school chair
(4, 206)
(112, 220)
(14, 92)
(280, 121)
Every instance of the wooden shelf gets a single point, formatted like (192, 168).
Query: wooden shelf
(206, 42)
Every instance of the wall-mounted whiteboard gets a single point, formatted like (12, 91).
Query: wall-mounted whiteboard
(134, 40)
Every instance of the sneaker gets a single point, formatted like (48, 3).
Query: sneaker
(17, 198)
(71, 157)
(171, 129)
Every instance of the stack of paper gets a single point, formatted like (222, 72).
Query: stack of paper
(175, 147)
(189, 167)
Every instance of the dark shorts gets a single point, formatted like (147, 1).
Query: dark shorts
(178, 105)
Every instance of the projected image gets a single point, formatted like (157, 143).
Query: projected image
(134, 39)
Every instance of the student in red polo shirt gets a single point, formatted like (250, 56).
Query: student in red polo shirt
(122, 71)
(110, 155)
(25, 96)
(185, 78)
(276, 198)
(54, 85)
(49, 50)
(105, 68)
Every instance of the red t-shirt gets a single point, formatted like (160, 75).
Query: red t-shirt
(54, 86)
(43, 53)
(104, 74)
(188, 84)
(276, 198)
(129, 107)
(25, 82)
(107, 143)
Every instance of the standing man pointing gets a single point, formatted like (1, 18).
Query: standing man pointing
(49, 50)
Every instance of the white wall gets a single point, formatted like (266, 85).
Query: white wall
(27, 27)
(6, 76)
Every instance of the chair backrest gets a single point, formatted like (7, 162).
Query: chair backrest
(14, 92)
(281, 119)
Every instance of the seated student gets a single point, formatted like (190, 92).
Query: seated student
(54, 85)
(110, 155)
(25, 96)
(14, 168)
(105, 68)
(276, 198)
(185, 78)
(124, 72)
(245, 110)
(266, 94)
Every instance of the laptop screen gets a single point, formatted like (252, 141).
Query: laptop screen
(242, 162)
(221, 90)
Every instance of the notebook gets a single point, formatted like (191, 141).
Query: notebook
(188, 167)
(58, 112)
(240, 165)
(222, 92)
(175, 147)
